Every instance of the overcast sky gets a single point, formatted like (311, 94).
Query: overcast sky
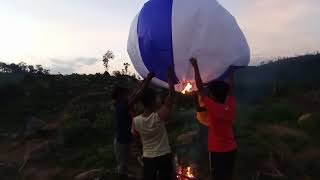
(71, 35)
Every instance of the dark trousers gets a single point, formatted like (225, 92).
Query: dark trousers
(222, 164)
(160, 167)
(203, 136)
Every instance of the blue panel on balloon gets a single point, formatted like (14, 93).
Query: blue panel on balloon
(155, 36)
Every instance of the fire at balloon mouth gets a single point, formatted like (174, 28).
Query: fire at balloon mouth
(187, 89)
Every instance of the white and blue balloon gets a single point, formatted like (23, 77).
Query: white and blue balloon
(170, 32)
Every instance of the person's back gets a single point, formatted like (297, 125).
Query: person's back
(221, 117)
(221, 111)
(150, 127)
(153, 135)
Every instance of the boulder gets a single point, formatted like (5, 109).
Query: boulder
(306, 120)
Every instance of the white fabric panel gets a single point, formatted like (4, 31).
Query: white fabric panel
(134, 51)
(205, 30)
(135, 55)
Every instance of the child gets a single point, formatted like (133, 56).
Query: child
(150, 126)
(202, 117)
(123, 107)
(221, 109)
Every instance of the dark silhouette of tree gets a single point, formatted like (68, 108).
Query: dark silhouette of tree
(126, 66)
(14, 68)
(39, 69)
(46, 71)
(31, 69)
(116, 73)
(3, 67)
(106, 58)
(23, 67)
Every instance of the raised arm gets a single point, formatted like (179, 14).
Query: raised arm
(165, 109)
(133, 97)
(199, 108)
(198, 79)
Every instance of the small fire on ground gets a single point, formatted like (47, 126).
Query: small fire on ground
(187, 89)
(185, 173)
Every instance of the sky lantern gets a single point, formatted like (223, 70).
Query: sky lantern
(169, 32)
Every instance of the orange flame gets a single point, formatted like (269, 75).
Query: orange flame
(189, 173)
(184, 174)
(187, 88)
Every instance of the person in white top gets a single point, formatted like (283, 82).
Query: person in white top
(150, 127)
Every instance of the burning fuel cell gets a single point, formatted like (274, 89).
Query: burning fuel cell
(184, 171)
(187, 88)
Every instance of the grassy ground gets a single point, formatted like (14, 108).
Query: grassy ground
(273, 142)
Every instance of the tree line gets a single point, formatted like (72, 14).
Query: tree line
(22, 68)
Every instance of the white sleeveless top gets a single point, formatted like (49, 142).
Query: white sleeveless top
(153, 135)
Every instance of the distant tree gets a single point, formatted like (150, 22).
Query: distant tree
(262, 63)
(23, 67)
(135, 76)
(106, 58)
(116, 73)
(269, 61)
(3, 67)
(106, 73)
(126, 66)
(39, 69)
(46, 71)
(14, 68)
(31, 69)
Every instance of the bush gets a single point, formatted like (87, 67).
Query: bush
(281, 111)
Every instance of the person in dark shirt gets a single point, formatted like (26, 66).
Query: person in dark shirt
(123, 106)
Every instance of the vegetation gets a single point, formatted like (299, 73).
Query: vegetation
(22, 68)
(275, 142)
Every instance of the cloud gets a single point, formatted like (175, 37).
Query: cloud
(71, 66)
(275, 15)
(281, 28)
(59, 69)
(87, 61)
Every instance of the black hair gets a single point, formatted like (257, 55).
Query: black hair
(119, 91)
(148, 98)
(219, 90)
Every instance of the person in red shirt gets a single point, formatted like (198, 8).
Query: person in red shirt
(221, 113)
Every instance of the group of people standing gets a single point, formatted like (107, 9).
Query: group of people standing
(216, 109)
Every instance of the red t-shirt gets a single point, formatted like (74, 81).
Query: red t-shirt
(221, 117)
